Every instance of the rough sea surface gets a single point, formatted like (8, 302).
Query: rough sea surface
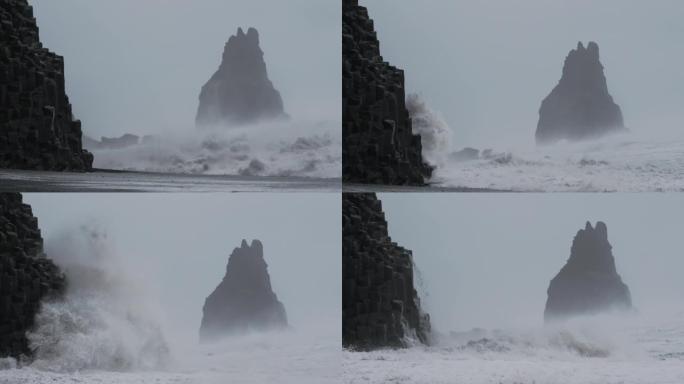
(621, 163)
(590, 351)
(291, 357)
(283, 148)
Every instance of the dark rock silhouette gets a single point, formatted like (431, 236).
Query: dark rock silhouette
(379, 146)
(579, 107)
(27, 276)
(37, 128)
(244, 299)
(240, 91)
(380, 306)
(589, 282)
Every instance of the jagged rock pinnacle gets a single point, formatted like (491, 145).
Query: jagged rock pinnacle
(244, 300)
(579, 107)
(240, 91)
(589, 282)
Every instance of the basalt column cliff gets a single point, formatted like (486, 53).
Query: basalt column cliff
(37, 128)
(380, 306)
(26, 275)
(240, 91)
(589, 282)
(379, 146)
(244, 300)
(579, 107)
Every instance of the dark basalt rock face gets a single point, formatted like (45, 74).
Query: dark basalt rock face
(589, 282)
(37, 129)
(240, 91)
(244, 299)
(380, 306)
(26, 276)
(579, 107)
(379, 146)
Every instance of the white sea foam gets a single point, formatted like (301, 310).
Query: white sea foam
(300, 356)
(104, 321)
(432, 128)
(622, 162)
(590, 350)
(280, 148)
(108, 329)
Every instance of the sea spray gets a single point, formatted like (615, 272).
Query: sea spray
(626, 163)
(594, 336)
(434, 131)
(281, 148)
(105, 321)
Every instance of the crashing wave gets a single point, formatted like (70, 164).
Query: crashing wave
(103, 321)
(434, 132)
(282, 148)
(617, 163)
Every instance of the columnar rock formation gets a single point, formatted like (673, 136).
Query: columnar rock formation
(26, 275)
(240, 91)
(579, 107)
(379, 146)
(244, 300)
(37, 128)
(589, 282)
(380, 306)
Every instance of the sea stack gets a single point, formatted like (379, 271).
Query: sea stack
(379, 146)
(579, 107)
(37, 128)
(27, 276)
(244, 300)
(589, 282)
(240, 92)
(380, 306)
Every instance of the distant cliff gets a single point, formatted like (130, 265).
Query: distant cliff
(27, 276)
(240, 91)
(244, 300)
(379, 146)
(579, 107)
(589, 282)
(37, 128)
(380, 306)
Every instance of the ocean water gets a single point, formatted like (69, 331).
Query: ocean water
(12, 180)
(111, 328)
(290, 357)
(620, 163)
(588, 351)
(290, 148)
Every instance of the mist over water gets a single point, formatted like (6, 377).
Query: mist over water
(278, 148)
(110, 327)
(594, 349)
(434, 132)
(627, 162)
(482, 267)
(106, 320)
(621, 162)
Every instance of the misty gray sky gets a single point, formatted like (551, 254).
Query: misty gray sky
(487, 65)
(487, 259)
(138, 66)
(181, 244)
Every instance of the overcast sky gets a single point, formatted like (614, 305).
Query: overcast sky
(138, 66)
(487, 259)
(487, 65)
(181, 243)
